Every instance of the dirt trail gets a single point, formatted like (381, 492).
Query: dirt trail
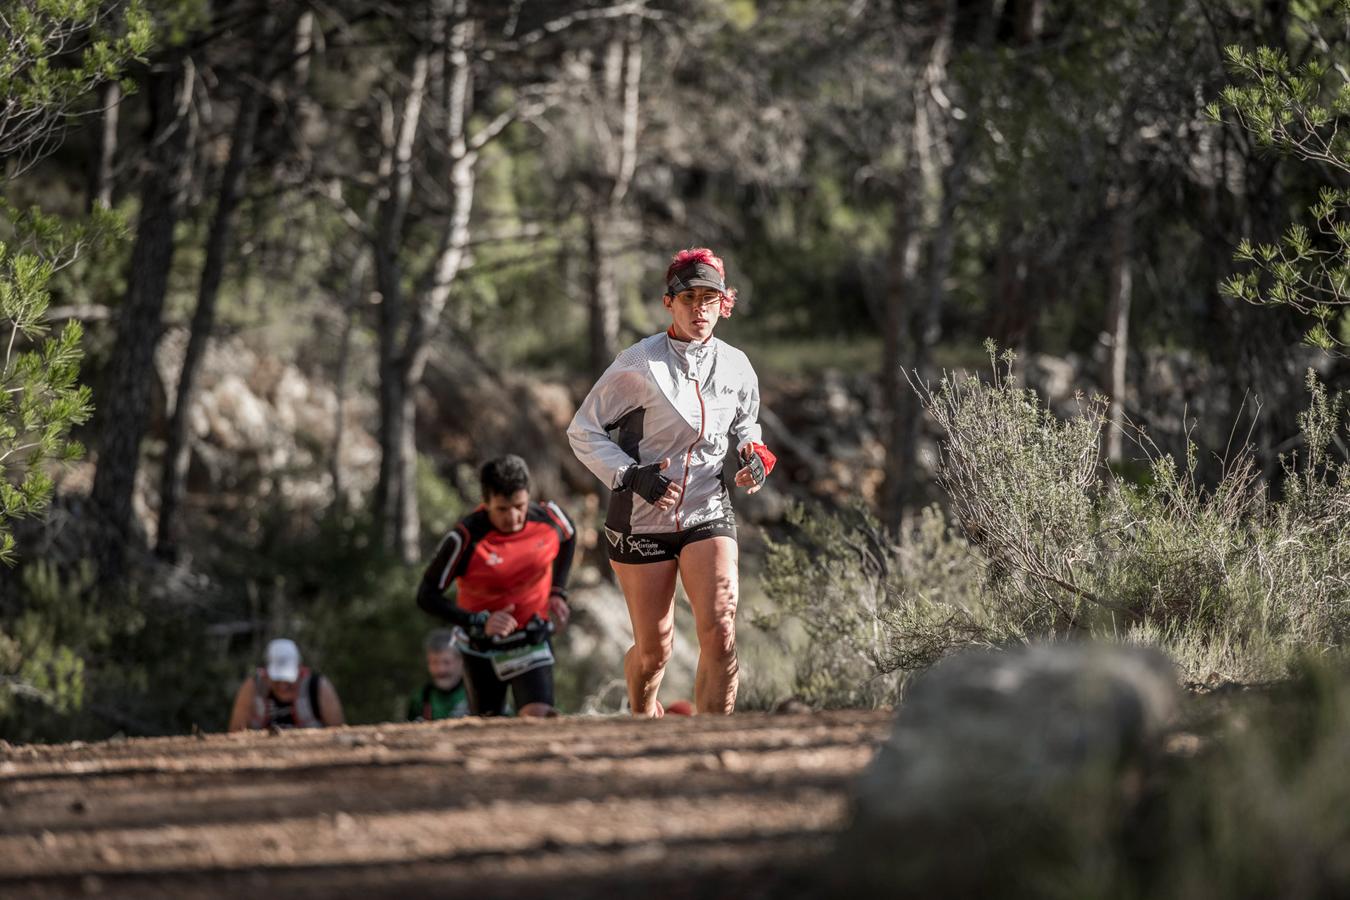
(576, 807)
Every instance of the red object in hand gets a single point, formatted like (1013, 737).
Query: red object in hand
(680, 708)
(766, 458)
(765, 455)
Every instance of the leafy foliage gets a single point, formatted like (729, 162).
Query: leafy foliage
(52, 55)
(1054, 545)
(830, 577)
(869, 609)
(783, 136)
(1299, 111)
(55, 641)
(1260, 812)
(40, 397)
(37, 661)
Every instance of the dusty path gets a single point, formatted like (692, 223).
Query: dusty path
(700, 807)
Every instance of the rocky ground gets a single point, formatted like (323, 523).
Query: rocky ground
(575, 807)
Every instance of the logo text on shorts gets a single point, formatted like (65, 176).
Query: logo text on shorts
(644, 546)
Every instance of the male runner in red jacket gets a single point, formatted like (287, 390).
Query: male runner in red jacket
(511, 558)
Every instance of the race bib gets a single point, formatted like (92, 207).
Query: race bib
(510, 663)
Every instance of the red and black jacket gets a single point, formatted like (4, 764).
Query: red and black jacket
(496, 570)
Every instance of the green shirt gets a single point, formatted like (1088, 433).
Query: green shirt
(451, 704)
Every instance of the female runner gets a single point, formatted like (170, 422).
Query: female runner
(656, 429)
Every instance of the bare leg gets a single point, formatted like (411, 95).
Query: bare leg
(709, 571)
(649, 590)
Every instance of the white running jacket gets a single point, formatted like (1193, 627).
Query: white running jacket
(667, 398)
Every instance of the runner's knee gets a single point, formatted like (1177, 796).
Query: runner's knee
(718, 637)
(654, 658)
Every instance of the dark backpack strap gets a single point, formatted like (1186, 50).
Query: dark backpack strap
(427, 711)
(314, 679)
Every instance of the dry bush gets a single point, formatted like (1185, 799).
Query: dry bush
(1052, 544)
(857, 610)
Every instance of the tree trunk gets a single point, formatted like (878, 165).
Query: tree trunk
(901, 268)
(910, 317)
(620, 94)
(929, 327)
(105, 148)
(1118, 330)
(390, 489)
(177, 451)
(126, 400)
(1012, 323)
(1030, 17)
(926, 320)
(408, 519)
(433, 292)
(356, 281)
(603, 292)
(1013, 318)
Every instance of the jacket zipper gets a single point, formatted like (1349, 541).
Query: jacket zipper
(688, 454)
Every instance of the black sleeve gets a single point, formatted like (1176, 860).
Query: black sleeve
(448, 564)
(562, 564)
(567, 546)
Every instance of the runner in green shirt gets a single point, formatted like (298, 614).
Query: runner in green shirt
(442, 697)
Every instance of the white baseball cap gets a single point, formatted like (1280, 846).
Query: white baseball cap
(283, 660)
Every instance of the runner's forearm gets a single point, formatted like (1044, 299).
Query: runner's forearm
(562, 564)
(433, 601)
(617, 392)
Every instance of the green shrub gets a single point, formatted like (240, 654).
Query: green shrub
(37, 662)
(53, 54)
(1260, 810)
(855, 611)
(830, 579)
(1226, 577)
(1052, 544)
(79, 661)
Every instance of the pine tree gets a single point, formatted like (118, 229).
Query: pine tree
(1298, 110)
(53, 56)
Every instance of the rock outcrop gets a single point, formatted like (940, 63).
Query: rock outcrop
(262, 427)
(1011, 773)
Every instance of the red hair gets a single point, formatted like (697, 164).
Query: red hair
(707, 257)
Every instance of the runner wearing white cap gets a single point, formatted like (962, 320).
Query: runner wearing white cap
(283, 693)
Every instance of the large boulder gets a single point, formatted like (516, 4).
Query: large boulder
(1011, 773)
(260, 424)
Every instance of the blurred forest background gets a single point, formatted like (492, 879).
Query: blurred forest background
(323, 258)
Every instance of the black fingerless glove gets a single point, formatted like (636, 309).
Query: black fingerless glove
(476, 622)
(646, 481)
(756, 467)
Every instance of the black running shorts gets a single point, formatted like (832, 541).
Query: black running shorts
(651, 548)
(487, 693)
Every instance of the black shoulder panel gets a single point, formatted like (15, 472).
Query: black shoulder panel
(477, 524)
